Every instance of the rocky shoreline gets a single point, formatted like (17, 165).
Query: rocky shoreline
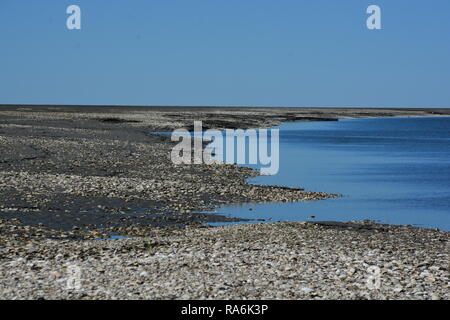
(72, 174)
(101, 169)
(357, 260)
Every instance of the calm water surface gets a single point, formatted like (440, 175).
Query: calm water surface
(394, 171)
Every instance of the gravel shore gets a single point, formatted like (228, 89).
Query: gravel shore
(101, 168)
(69, 175)
(254, 261)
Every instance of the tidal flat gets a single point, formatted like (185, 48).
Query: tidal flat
(73, 174)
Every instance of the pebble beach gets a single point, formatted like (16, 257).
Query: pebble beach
(72, 175)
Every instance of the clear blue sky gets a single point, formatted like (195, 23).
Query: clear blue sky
(226, 52)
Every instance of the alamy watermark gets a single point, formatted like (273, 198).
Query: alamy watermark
(245, 147)
(73, 22)
(74, 277)
(374, 20)
(374, 278)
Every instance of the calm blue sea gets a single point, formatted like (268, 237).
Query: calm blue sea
(394, 170)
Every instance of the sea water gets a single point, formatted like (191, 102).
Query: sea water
(388, 170)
